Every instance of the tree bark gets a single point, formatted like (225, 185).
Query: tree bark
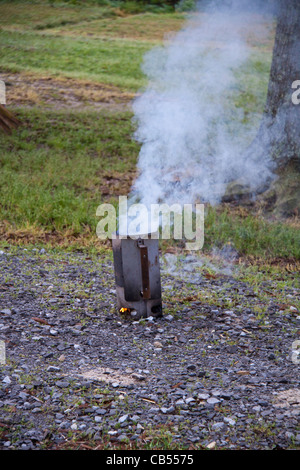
(278, 139)
(282, 116)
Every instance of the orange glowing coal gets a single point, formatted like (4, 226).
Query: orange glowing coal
(125, 310)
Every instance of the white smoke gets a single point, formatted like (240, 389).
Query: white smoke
(192, 136)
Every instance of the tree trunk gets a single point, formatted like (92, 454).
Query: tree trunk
(281, 113)
(278, 137)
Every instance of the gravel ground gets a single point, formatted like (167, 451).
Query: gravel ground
(217, 371)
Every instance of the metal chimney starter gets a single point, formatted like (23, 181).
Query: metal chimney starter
(137, 276)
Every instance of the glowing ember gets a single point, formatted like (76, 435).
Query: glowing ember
(125, 310)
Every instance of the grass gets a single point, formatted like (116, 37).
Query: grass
(85, 42)
(55, 169)
(24, 15)
(250, 234)
(112, 62)
(148, 27)
(59, 166)
(252, 87)
(63, 162)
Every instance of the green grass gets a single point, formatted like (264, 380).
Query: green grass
(252, 84)
(20, 14)
(110, 60)
(251, 235)
(80, 41)
(113, 62)
(147, 27)
(60, 165)
(40, 15)
(52, 168)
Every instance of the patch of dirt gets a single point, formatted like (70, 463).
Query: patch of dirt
(35, 235)
(26, 89)
(117, 183)
(288, 398)
(108, 375)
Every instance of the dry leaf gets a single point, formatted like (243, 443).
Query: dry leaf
(243, 372)
(40, 320)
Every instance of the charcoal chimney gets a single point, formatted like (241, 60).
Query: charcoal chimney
(137, 276)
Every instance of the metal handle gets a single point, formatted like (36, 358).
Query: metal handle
(146, 294)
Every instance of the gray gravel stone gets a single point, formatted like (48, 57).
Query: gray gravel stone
(218, 426)
(213, 401)
(123, 418)
(6, 311)
(101, 376)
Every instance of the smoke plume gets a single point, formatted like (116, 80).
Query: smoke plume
(192, 135)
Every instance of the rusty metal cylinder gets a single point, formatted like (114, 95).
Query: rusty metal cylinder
(137, 275)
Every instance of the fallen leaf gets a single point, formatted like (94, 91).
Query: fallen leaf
(246, 331)
(148, 400)
(40, 320)
(177, 385)
(210, 276)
